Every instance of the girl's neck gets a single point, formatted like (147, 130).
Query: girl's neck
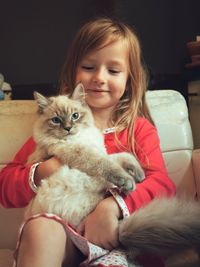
(102, 119)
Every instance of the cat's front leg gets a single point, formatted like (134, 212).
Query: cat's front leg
(93, 163)
(58, 149)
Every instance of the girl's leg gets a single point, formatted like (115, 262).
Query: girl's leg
(44, 243)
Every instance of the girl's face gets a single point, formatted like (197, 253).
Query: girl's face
(104, 75)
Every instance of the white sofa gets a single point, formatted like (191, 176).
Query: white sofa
(170, 113)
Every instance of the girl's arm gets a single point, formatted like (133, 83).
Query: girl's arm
(157, 182)
(15, 189)
(101, 226)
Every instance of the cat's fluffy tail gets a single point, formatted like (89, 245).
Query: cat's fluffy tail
(164, 227)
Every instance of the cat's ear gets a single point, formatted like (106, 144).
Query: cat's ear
(42, 101)
(79, 93)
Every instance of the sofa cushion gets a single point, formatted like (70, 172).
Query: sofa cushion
(170, 114)
(6, 258)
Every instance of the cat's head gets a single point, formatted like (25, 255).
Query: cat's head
(60, 116)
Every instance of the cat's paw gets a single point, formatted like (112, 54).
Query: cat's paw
(130, 164)
(122, 180)
(135, 171)
(126, 184)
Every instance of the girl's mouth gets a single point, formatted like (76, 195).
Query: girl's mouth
(97, 91)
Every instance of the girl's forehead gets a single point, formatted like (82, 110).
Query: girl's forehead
(116, 48)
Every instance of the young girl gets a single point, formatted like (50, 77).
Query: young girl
(106, 57)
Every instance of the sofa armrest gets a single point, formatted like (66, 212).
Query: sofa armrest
(196, 169)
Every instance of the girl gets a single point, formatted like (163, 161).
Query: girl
(106, 57)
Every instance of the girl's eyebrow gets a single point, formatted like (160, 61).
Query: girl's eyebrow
(116, 62)
(110, 62)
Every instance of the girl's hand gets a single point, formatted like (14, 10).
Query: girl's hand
(101, 226)
(45, 169)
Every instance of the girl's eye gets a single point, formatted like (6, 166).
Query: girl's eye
(75, 116)
(114, 71)
(56, 120)
(85, 67)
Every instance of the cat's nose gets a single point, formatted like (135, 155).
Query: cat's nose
(68, 128)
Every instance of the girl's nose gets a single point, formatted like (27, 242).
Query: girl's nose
(99, 76)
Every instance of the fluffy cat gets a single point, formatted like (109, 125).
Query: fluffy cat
(65, 128)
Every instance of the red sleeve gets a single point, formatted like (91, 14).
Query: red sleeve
(157, 181)
(14, 179)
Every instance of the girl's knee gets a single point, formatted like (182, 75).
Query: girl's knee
(43, 240)
(42, 230)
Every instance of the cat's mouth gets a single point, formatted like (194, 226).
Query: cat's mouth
(70, 132)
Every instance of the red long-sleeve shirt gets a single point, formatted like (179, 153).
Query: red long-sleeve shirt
(15, 190)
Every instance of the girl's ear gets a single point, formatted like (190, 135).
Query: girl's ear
(79, 93)
(41, 101)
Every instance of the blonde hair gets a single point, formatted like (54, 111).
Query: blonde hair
(97, 34)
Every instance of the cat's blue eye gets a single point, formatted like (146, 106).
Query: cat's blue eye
(56, 120)
(75, 116)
